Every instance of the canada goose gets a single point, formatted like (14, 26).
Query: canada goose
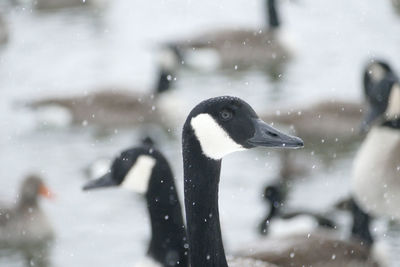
(215, 128)
(330, 121)
(322, 248)
(376, 176)
(238, 48)
(25, 226)
(3, 31)
(109, 108)
(289, 221)
(275, 194)
(145, 170)
(322, 122)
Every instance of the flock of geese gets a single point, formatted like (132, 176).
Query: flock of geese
(220, 126)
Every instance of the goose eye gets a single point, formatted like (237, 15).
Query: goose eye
(226, 115)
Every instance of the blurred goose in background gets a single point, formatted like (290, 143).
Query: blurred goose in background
(237, 48)
(3, 30)
(215, 128)
(145, 170)
(326, 121)
(396, 6)
(25, 226)
(376, 175)
(109, 108)
(60, 4)
(278, 222)
(331, 121)
(279, 217)
(322, 248)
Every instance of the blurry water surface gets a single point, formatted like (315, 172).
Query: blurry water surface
(75, 51)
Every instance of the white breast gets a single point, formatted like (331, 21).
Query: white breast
(376, 173)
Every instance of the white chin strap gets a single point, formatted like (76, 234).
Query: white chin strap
(214, 140)
(137, 179)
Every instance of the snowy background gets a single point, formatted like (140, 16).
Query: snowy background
(75, 51)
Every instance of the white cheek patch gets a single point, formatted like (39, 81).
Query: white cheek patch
(137, 179)
(214, 140)
(377, 72)
(393, 109)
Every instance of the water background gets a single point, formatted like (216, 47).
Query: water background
(76, 51)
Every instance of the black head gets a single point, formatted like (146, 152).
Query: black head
(226, 124)
(274, 195)
(374, 72)
(132, 169)
(382, 92)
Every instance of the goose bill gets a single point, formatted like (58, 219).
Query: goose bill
(45, 192)
(104, 181)
(268, 136)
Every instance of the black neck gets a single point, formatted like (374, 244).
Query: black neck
(361, 222)
(168, 236)
(273, 18)
(201, 180)
(394, 124)
(273, 212)
(164, 81)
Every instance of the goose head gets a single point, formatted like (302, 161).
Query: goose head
(382, 91)
(132, 170)
(226, 124)
(33, 187)
(375, 71)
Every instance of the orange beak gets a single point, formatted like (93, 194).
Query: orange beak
(45, 192)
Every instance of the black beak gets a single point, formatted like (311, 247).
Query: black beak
(268, 136)
(369, 119)
(104, 181)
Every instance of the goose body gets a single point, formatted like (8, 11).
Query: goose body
(320, 247)
(238, 47)
(325, 121)
(105, 108)
(25, 227)
(145, 170)
(3, 31)
(376, 176)
(109, 107)
(60, 4)
(215, 128)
